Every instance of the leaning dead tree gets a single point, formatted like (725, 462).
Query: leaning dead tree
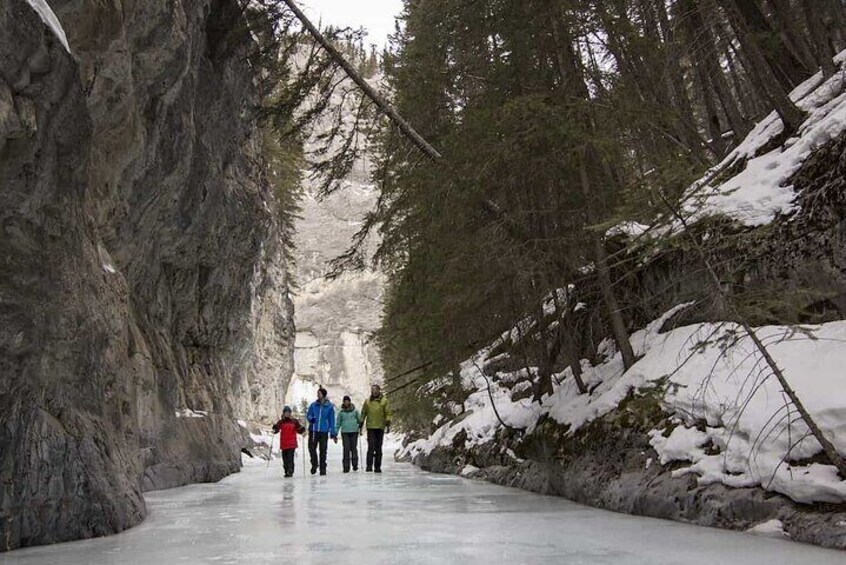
(490, 207)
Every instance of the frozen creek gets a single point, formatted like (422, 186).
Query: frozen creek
(403, 516)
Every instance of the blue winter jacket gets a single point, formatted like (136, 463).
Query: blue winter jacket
(321, 417)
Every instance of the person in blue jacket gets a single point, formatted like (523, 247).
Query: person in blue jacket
(321, 424)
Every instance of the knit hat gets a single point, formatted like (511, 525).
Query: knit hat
(347, 397)
(286, 410)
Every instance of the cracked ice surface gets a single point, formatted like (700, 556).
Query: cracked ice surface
(403, 516)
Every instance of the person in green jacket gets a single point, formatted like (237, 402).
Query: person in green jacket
(376, 415)
(348, 424)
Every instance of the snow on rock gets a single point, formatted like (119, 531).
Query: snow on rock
(683, 444)
(770, 528)
(43, 9)
(262, 438)
(468, 470)
(188, 413)
(629, 228)
(713, 379)
(759, 192)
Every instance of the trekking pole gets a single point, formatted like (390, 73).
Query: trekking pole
(270, 457)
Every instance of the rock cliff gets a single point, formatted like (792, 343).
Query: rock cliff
(143, 287)
(335, 318)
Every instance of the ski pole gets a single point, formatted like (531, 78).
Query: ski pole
(270, 457)
(304, 463)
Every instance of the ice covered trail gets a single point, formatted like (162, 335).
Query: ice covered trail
(402, 516)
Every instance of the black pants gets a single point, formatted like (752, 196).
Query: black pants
(288, 461)
(350, 442)
(374, 449)
(317, 444)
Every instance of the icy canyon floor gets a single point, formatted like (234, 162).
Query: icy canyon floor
(404, 515)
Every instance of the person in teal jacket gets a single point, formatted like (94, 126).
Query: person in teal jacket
(347, 423)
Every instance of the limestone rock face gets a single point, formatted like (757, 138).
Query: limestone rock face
(143, 288)
(335, 318)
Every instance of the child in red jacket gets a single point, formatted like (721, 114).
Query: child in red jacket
(288, 429)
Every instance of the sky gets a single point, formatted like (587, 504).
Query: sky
(376, 16)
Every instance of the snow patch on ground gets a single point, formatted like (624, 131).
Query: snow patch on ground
(43, 9)
(733, 424)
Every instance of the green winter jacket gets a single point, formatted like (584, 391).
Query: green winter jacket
(347, 421)
(376, 413)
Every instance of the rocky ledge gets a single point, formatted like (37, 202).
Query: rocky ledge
(610, 464)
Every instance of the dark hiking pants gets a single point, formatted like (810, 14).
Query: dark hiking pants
(350, 442)
(374, 449)
(318, 442)
(288, 461)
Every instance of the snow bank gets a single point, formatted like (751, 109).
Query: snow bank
(770, 529)
(43, 9)
(731, 420)
(759, 192)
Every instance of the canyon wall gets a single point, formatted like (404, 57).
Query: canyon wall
(335, 318)
(144, 300)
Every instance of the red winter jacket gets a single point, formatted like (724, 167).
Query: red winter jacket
(288, 429)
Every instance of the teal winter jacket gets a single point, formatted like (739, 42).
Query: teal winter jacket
(347, 421)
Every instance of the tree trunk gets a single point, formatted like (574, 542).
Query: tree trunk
(712, 118)
(571, 351)
(788, 69)
(368, 90)
(568, 69)
(609, 298)
(790, 32)
(618, 326)
(681, 98)
(822, 46)
(711, 60)
(566, 339)
(749, 101)
(768, 85)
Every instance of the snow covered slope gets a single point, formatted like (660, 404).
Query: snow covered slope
(760, 190)
(730, 420)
